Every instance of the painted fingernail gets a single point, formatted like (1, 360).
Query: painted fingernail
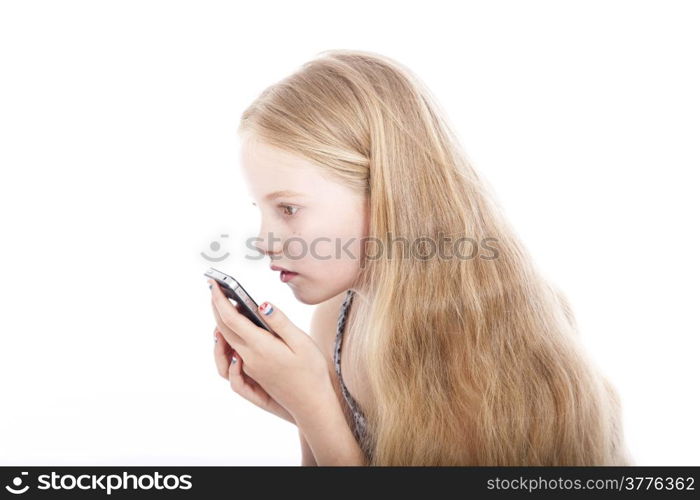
(265, 308)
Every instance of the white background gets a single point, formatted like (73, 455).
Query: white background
(119, 165)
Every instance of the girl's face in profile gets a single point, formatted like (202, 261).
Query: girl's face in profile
(310, 224)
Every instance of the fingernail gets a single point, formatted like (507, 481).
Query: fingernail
(209, 286)
(233, 359)
(265, 308)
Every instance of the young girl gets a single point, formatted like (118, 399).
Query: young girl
(454, 349)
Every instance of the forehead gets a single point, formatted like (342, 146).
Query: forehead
(267, 169)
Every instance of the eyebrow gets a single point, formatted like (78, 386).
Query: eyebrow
(283, 193)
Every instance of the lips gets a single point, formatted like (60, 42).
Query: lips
(278, 268)
(285, 274)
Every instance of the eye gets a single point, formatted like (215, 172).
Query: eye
(288, 210)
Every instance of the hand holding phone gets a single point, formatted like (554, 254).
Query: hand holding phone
(233, 290)
(286, 375)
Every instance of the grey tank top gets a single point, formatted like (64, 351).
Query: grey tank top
(360, 427)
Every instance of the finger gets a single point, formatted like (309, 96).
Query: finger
(231, 337)
(282, 326)
(240, 382)
(233, 319)
(222, 354)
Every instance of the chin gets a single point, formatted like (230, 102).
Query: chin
(305, 299)
(316, 297)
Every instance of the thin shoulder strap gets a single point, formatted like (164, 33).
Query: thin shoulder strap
(340, 329)
(342, 317)
(359, 429)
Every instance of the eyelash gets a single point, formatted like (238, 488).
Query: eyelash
(282, 205)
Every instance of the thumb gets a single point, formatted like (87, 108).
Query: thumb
(280, 324)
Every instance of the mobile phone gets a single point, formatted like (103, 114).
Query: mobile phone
(245, 304)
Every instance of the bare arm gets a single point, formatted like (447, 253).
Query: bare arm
(321, 326)
(307, 456)
(328, 433)
(322, 330)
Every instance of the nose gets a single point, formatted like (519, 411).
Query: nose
(268, 244)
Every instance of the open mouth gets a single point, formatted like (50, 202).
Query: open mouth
(285, 276)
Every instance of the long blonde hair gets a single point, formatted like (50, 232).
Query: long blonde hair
(470, 361)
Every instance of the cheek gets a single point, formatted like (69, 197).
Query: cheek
(333, 252)
(322, 249)
(296, 248)
(329, 245)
